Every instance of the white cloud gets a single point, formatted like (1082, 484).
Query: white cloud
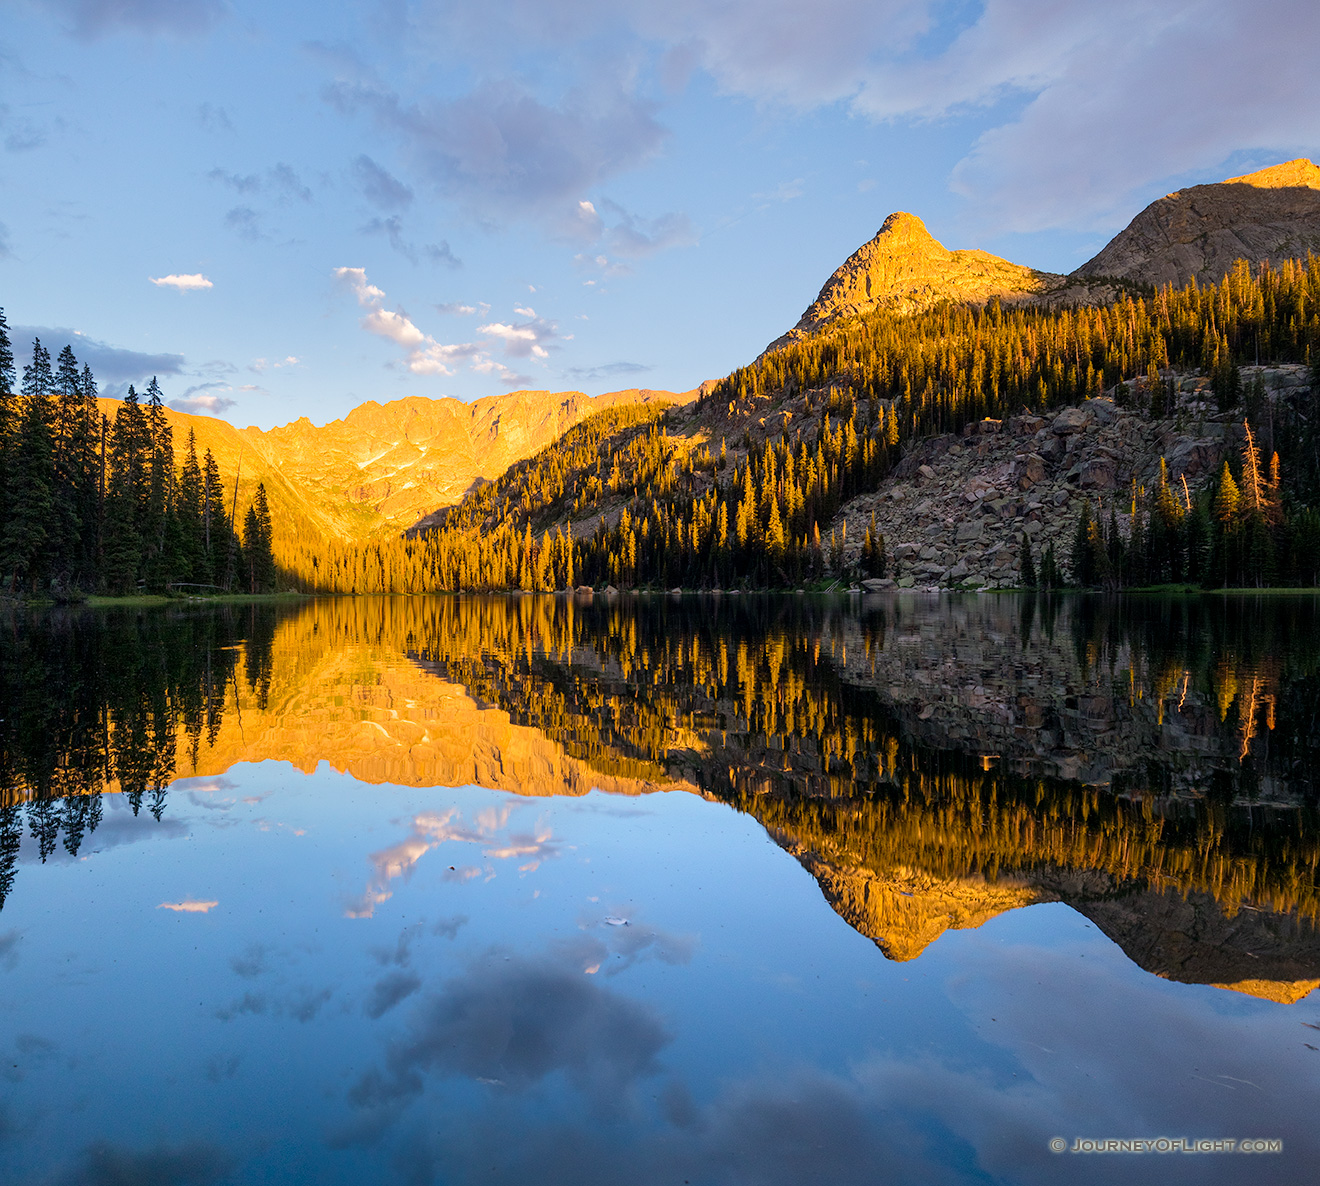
(424, 355)
(206, 399)
(525, 339)
(182, 283)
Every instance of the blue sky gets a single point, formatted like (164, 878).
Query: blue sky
(285, 210)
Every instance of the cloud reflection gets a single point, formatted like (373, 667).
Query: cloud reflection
(430, 829)
(511, 1022)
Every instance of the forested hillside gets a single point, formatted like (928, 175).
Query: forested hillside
(89, 504)
(743, 488)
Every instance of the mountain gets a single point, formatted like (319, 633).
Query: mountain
(384, 466)
(1201, 231)
(905, 268)
(1272, 215)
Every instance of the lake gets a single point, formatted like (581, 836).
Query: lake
(729, 890)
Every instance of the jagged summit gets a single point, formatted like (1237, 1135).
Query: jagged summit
(906, 268)
(1272, 214)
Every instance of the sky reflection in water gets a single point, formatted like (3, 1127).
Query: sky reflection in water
(344, 970)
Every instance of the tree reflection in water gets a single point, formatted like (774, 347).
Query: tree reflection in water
(931, 762)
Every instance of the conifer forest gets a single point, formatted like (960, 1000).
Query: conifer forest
(94, 504)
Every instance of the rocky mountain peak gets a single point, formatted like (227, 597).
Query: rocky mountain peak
(906, 268)
(1300, 173)
(1200, 232)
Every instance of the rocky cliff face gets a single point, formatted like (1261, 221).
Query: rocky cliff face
(905, 268)
(1200, 232)
(384, 466)
(956, 510)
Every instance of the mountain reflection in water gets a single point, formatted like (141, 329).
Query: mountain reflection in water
(931, 762)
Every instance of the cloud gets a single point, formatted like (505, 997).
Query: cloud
(252, 963)
(511, 1021)
(392, 228)
(204, 398)
(380, 187)
(245, 222)
(259, 366)
(607, 370)
(1064, 93)
(88, 20)
(456, 309)
(190, 906)
(213, 118)
(440, 253)
(390, 990)
(429, 830)
(530, 338)
(280, 184)
(506, 375)
(634, 237)
(424, 355)
(502, 153)
(182, 283)
(5, 251)
(109, 363)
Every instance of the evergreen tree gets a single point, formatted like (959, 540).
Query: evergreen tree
(259, 556)
(29, 503)
(1027, 575)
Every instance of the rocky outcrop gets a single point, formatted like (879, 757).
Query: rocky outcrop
(957, 510)
(905, 268)
(1201, 231)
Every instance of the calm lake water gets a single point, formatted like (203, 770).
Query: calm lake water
(669, 890)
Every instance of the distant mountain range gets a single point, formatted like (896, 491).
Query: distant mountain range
(385, 466)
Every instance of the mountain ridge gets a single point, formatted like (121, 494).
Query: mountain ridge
(1265, 216)
(383, 466)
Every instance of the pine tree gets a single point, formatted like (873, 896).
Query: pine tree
(30, 505)
(192, 549)
(8, 412)
(1081, 562)
(1028, 569)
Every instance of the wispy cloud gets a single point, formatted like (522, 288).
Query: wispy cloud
(190, 906)
(528, 338)
(205, 399)
(280, 182)
(89, 20)
(424, 355)
(245, 222)
(392, 228)
(188, 282)
(379, 186)
(259, 366)
(430, 829)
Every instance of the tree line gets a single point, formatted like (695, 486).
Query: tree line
(90, 503)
